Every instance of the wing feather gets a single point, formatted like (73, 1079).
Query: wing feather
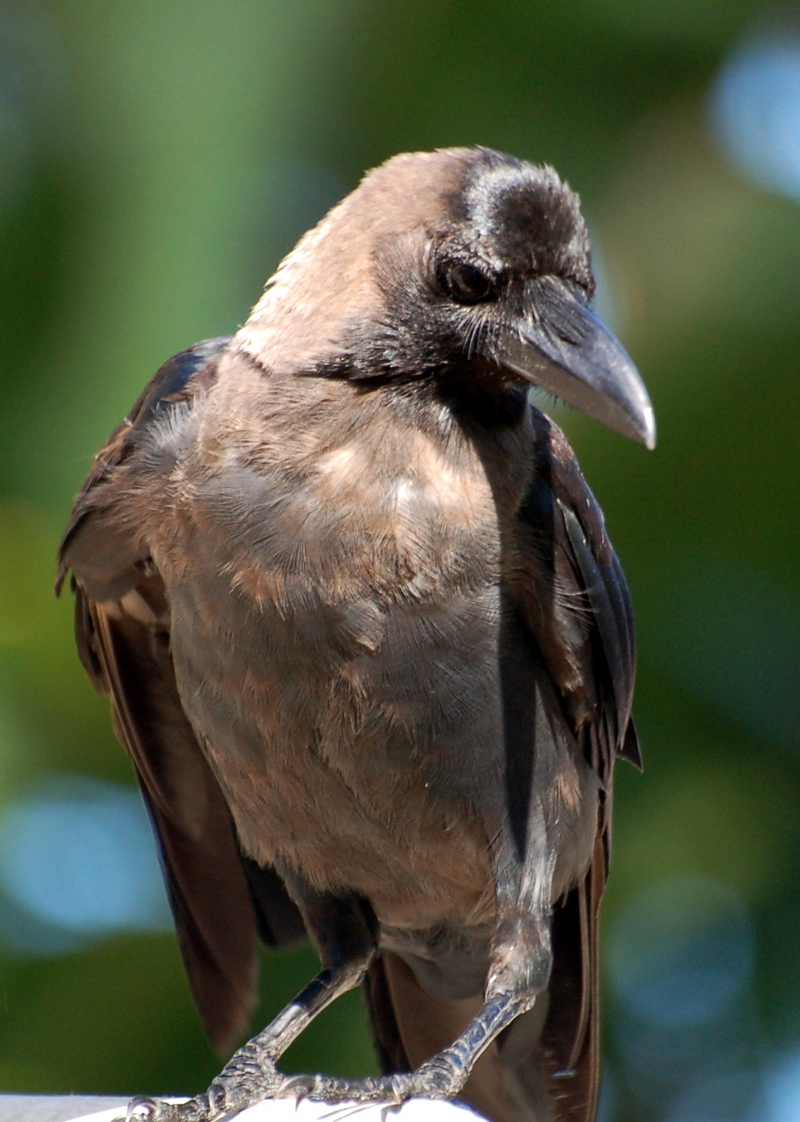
(587, 639)
(208, 891)
(220, 901)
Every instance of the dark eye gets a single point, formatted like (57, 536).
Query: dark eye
(466, 283)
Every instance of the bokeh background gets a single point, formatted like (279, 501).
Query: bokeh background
(157, 157)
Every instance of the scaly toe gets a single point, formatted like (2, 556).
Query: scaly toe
(438, 1079)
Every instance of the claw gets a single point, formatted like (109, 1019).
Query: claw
(399, 1090)
(141, 1109)
(300, 1086)
(217, 1098)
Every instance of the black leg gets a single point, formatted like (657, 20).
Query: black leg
(250, 1075)
(344, 931)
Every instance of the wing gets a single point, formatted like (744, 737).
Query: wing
(219, 899)
(579, 610)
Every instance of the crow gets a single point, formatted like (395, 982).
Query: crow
(369, 647)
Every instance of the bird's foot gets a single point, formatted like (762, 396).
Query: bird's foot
(440, 1078)
(249, 1078)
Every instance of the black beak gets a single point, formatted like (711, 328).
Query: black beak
(565, 349)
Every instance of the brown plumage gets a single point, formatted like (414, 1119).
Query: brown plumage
(368, 644)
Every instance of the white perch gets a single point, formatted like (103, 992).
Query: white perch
(90, 1108)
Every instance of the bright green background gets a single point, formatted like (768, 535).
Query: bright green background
(147, 222)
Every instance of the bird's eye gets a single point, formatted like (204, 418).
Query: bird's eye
(467, 284)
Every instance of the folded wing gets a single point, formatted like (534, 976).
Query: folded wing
(577, 605)
(220, 900)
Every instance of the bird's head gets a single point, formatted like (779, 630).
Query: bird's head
(461, 259)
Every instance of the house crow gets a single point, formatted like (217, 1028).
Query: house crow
(368, 644)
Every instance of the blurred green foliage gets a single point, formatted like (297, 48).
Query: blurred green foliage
(144, 211)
